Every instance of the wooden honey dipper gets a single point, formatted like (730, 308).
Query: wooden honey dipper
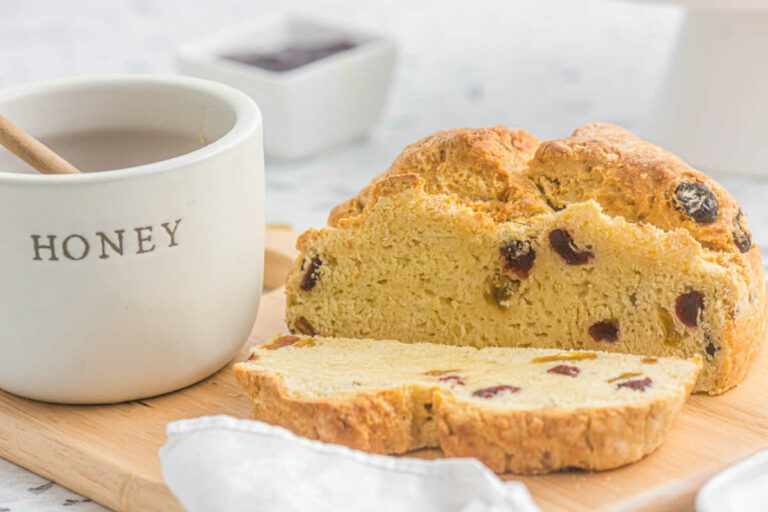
(32, 151)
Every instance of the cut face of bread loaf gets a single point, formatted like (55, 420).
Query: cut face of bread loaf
(518, 410)
(634, 252)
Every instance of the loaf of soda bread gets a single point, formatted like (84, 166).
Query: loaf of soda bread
(526, 411)
(484, 237)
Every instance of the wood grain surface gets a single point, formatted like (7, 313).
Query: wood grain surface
(109, 453)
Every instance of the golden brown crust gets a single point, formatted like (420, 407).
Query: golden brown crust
(391, 421)
(631, 178)
(481, 165)
(394, 185)
(546, 440)
(524, 442)
(748, 328)
(496, 168)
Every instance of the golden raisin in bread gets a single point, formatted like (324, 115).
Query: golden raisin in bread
(517, 410)
(634, 252)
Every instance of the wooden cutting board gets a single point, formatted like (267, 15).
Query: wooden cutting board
(109, 453)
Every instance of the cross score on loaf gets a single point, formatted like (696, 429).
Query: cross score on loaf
(486, 237)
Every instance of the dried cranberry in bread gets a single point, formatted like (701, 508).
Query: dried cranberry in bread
(518, 410)
(598, 241)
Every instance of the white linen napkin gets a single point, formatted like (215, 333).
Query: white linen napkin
(228, 464)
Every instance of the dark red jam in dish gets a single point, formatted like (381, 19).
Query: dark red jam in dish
(291, 57)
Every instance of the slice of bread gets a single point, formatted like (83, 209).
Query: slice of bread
(526, 411)
(599, 242)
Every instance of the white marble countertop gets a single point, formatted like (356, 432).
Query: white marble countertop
(547, 66)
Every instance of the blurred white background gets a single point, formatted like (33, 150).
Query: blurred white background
(548, 66)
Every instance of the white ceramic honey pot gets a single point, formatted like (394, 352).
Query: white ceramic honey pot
(138, 281)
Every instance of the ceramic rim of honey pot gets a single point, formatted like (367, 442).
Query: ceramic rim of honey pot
(249, 118)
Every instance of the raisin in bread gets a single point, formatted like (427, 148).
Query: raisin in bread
(517, 410)
(609, 243)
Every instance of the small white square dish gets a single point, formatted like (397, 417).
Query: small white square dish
(333, 91)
